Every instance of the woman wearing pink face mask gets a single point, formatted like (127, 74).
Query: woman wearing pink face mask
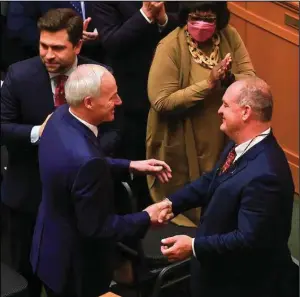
(190, 71)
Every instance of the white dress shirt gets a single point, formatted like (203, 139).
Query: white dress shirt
(240, 150)
(34, 134)
(93, 128)
(160, 27)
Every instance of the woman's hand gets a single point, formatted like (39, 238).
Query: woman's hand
(220, 71)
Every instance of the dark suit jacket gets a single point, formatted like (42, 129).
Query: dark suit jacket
(241, 242)
(76, 226)
(26, 100)
(129, 41)
(23, 35)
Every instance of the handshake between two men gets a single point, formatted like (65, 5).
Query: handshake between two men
(178, 247)
(175, 248)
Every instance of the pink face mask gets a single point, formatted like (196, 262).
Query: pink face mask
(200, 30)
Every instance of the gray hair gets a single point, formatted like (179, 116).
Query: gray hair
(257, 94)
(83, 82)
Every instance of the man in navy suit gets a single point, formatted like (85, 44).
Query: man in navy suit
(76, 229)
(30, 93)
(241, 244)
(23, 34)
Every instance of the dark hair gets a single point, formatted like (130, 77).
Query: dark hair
(219, 8)
(62, 18)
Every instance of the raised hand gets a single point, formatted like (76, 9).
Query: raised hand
(154, 211)
(155, 11)
(158, 168)
(220, 71)
(86, 35)
(177, 248)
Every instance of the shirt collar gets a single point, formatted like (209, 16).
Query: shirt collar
(245, 146)
(68, 72)
(93, 128)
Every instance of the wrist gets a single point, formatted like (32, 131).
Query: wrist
(162, 20)
(147, 14)
(211, 84)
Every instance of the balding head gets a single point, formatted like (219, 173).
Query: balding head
(257, 94)
(84, 82)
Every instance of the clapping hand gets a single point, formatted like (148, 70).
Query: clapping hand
(177, 248)
(155, 210)
(155, 11)
(158, 168)
(88, 36)
(220, 71)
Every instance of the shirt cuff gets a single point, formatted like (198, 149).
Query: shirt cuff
(161, 27)
(193, 241)
(147, 19)
(34, 134)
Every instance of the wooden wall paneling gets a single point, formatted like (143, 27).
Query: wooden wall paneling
(273, 47)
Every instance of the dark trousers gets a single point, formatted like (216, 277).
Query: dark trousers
(50, 293)
(16, 237)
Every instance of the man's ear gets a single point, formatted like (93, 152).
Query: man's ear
(78, 46)
(246, 113)
(87, 101)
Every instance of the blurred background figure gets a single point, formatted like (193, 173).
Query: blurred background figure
(129, 32)
(191, 70)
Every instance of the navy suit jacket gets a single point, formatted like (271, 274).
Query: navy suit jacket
(130, 41)
(241, 242)
(76, 227)
(26, 100)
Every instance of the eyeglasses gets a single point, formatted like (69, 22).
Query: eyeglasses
(199, 17)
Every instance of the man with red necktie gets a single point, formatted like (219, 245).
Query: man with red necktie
(241, 243)
(31, 91)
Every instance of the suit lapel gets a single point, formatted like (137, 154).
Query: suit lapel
(242, 162)
(43, 91)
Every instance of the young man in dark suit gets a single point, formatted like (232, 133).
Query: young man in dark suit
(241, 244)
(76, 229)
(22, 34)
(31, 91)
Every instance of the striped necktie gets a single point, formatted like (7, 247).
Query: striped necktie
(77, 6)
(229, 160)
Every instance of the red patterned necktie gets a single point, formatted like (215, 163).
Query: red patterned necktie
(229, 160)
(59, 95)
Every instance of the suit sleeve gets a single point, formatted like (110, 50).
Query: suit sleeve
(22, 19)
(117, 35)
(164, 87)
(92, 203)
(193, 195)
(12, 132)
(259, 210)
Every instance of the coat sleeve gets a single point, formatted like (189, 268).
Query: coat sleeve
(164, 88)
(192, 195)
(12, 132)
(259, 210)
(116, 34)
(92, 203)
